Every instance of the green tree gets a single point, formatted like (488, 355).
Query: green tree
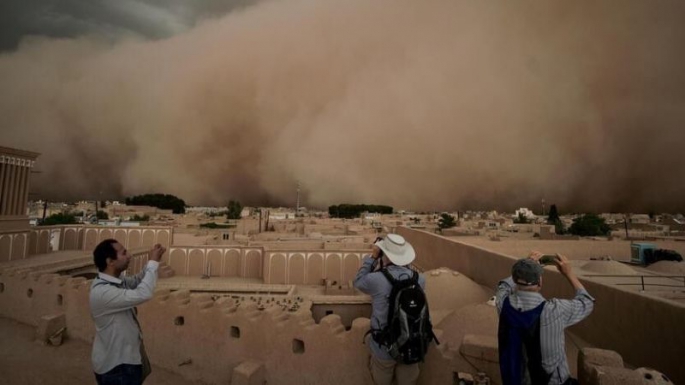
(59, 219)
(138, 218)
(102, 215)
(349, 211)
(553, 219)
(162, 201)
(446, 221)
(521, 219)
(589, 225)
(234, 210)
(553, 214)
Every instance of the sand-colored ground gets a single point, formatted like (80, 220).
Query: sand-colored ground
(22, 361)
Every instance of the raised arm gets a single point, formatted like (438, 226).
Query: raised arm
(156, 256)
(108, 298)
(577, 309)
(362, 280)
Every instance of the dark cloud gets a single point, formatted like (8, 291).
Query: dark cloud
(438, 104)
(109, 19)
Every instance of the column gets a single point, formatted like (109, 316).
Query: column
(25, 199)
(3, 169)
(21, 187)
(5, 186)
(11, 186)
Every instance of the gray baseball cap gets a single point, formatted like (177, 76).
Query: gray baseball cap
(526, 272)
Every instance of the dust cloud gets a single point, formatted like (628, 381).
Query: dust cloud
(434, 104)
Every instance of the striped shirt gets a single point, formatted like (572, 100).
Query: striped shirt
(112, 306)
(557, 315)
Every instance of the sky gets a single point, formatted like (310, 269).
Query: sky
(430, 105)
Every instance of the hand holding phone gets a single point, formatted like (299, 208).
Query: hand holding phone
(548, 259)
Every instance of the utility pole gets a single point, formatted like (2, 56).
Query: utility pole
(625, 224)
(297, 207)
(543, 207)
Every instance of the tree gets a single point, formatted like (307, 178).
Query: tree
(553, 219)
(138, 218)
(553, 214)
(234, 210)
(162, 201)
(354, 211)
(102, 215)
(446, 221)
(521, 219)
(589, 225)
(59, 219)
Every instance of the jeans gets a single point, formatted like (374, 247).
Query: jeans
(123, 374)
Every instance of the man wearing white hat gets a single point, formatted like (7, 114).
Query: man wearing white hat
(394, 254)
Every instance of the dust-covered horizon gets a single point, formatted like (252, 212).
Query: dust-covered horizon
(439, 105)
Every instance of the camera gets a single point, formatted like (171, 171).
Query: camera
(380, 251)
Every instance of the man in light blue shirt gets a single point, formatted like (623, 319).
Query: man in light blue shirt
(395, 254)
(118, 353)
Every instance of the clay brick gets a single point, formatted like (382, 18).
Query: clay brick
(49, 325)
(589, 358)
(249, 373)
(480, 347)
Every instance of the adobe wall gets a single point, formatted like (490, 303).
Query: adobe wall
(273, 266)
(13, 245)
(225, 261)
(311, 268)
(646, 331)
(347, 312)
(84, 237)
(217, 336)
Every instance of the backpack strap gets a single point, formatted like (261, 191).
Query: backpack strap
(389, 276)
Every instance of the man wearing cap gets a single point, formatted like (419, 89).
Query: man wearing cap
(532, 326)
(394, 254)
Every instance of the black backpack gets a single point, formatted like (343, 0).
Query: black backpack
(408, 331)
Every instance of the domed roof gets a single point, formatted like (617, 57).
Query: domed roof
(608, 267)
(668, 267)
(472, 319)
(449, 290)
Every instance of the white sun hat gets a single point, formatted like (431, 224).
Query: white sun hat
(399, 251)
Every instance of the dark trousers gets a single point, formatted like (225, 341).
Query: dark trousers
(123, 374)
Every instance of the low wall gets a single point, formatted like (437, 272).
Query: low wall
(217, 336)
(273, 266)
(13, 245)
(646, 331)
(43, 239)
(223, 261)
(311, 267)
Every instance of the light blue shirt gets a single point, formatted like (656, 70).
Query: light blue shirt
(378, 287)
(112, 306)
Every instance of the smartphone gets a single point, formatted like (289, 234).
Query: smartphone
(548, 259)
